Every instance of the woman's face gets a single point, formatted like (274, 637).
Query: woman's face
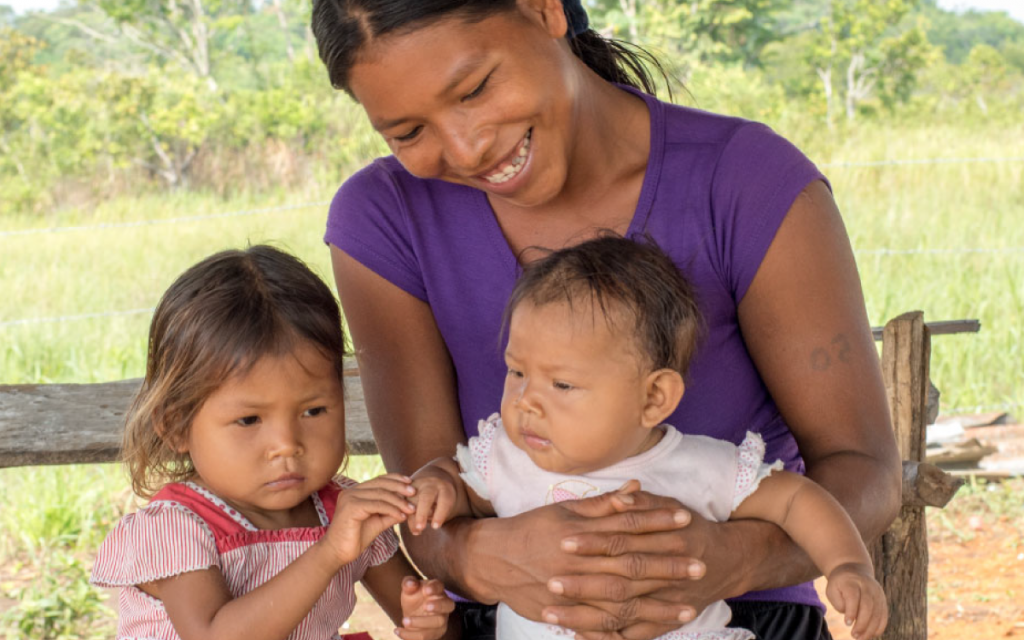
(486, 104)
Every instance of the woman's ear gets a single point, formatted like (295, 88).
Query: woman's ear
(664, 389)
(549, 14)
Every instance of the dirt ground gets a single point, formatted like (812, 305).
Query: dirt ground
(975, 584)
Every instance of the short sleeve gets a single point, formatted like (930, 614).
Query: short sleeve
(474, 458)
(368, 220)
(756, 180)
(162, 540)
(751, 468)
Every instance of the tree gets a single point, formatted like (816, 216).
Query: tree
(864, 44)
(695, 32)
(176, 31)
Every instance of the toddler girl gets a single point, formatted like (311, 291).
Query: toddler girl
(599, 339)
(236, 435)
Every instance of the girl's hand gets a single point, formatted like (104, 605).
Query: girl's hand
(425, 609)
(434, 499)
(853, 591)
(365, 511)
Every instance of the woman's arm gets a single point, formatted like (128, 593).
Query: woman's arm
(806, 327)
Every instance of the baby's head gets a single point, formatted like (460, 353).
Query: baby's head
(601, 335)
(221, 318)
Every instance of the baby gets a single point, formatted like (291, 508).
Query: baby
(599, 339)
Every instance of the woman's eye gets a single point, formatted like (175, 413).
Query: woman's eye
(314, 412)
(409, 136)
(514, 373)
(248, 421)
(562, 386)
(479, 89)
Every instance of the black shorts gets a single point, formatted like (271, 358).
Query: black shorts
(768, 620)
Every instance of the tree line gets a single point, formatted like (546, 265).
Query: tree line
(109, 97)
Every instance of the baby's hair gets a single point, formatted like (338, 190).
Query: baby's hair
(343, 27)
(215, 321)
(634, 285)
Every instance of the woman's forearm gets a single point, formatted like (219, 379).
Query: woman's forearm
(446, 554)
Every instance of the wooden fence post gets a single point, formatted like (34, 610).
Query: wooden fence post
(901, 555)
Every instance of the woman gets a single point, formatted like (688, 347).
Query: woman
(512, 126)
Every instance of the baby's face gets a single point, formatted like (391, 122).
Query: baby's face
(575, 390)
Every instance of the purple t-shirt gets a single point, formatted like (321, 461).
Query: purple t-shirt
(714, 194)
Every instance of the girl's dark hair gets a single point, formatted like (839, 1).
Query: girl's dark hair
(343, 27)
(634, 285)
(215, 321)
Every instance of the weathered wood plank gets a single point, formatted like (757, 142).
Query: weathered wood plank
(83, 423)
(925, 485)
(901, 555)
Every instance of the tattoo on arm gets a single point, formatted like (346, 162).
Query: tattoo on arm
(821, 358)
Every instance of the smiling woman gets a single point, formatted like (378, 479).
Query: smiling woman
(514, 127)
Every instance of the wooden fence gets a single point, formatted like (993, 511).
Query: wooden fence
(82, 423)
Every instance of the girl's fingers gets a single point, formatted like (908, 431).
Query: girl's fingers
(370, 496)
(392, 482)
(423, 622)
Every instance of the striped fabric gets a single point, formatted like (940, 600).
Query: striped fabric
(186, 528)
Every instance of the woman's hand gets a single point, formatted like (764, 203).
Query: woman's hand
(617, 605)
(611, 549)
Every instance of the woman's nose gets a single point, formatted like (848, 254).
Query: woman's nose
(464, 146)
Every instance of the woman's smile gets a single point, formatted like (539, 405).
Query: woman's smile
(512, 165)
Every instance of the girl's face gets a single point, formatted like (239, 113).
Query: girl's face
(486, 104)
(265, 440)
(575, 391)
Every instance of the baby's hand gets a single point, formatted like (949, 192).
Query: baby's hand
(435, 496)
(425, 609)
(853, 591)
(365, 511)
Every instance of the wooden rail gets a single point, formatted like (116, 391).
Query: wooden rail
(43, 424)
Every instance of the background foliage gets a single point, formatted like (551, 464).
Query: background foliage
(104, 98)
(137, 136)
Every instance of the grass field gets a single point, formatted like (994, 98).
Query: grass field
(947, 238)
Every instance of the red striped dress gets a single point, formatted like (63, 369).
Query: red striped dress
(187, 528)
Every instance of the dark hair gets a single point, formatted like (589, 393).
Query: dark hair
(615, 275)
(215, 321)
(343, 27)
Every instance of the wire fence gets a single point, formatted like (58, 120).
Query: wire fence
(11, 233)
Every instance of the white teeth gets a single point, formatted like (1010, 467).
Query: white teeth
(508, 171)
